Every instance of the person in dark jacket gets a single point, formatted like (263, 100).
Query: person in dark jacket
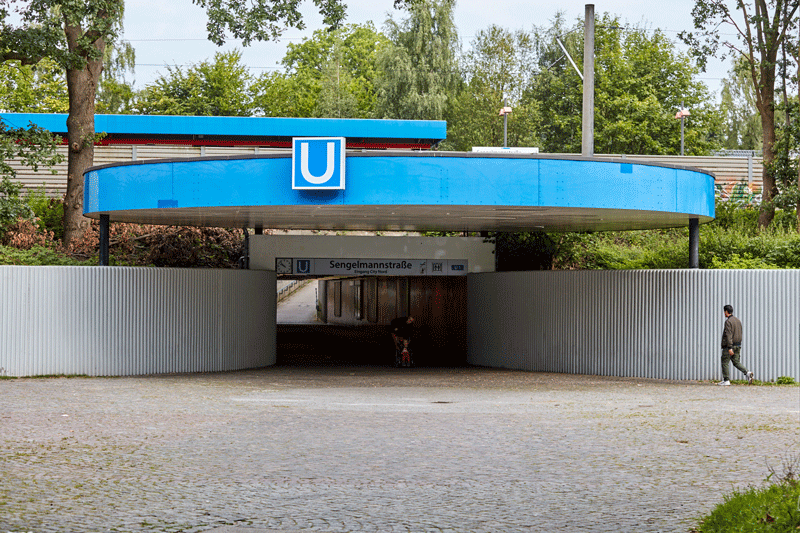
(401, 328)
(732, 347)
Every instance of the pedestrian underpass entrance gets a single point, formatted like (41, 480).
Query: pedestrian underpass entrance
(338, 181)
(353, 315)
(362, 283)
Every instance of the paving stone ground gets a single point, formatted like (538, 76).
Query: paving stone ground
(367, 449)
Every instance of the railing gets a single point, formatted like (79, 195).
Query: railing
(291, 287)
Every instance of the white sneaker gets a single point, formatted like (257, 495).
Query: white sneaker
(749, 378)
(724, 383)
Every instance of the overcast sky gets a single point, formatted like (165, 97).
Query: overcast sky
(173, 32)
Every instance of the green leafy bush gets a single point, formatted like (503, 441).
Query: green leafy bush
(38, 255)
(732, 240)
(785, 380)
(12, 206)
(49, 211)
(735, 261)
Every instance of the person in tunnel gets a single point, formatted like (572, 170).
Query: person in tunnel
(402, 330)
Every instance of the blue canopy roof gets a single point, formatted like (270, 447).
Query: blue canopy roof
(264, 131)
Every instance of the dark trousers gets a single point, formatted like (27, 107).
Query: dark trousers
(727, 357)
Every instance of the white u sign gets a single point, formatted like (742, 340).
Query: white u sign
(321, 164)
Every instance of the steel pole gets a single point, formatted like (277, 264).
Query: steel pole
(505, 125)
(104, 238)
(694, 243)
(587, 136)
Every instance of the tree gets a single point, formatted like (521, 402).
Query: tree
(741, 122)
(641, 80)
(332, 74)
(75, 35)
(419, 73)
(497, 73)
(761, 27)
(218, 88)
(115, 94)
(39, 88)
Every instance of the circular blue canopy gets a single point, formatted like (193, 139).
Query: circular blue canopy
(452, 191)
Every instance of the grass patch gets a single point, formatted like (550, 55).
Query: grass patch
(771, 508)
(780, 380)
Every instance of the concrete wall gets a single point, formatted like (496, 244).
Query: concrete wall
(649, 323)
(112, 321)
(265, 248)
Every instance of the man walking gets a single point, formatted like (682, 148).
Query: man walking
(732, 347)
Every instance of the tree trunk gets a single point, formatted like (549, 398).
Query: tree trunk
(82, 87)
(769, 189)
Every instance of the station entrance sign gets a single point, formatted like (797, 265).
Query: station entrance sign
(370, 267)
(318, 163)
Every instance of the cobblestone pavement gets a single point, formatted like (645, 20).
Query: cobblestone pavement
(360, 449)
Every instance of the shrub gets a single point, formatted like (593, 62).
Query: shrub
(49, 211)
(785, 380)
(37, 255)
(12, 207)
(746, 261)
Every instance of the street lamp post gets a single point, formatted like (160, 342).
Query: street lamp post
(683, 113)
(504, 112)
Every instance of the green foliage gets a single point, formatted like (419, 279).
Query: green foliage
(622, 250)
(744, 246)
(761, 29)
(333, 74)
(420, 71)
(775, 506)
(12, 206)
(217, 88)
(785, 380)
(115, 95)
(787, 158)
(40, 88)
(32, 147)
(497, 72)
(49, 212)
(741, 123)
(39, 255)
(733, 240)
(734, 261)
(262, 20)
(641, 80)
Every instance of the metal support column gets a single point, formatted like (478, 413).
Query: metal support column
(587, 136)
(694, 243)
(246, 259)
(104, 225)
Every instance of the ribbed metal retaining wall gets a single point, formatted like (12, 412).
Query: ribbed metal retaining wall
(113, 321)
(663, 324)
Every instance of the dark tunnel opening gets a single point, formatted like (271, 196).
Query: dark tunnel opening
(353, 315)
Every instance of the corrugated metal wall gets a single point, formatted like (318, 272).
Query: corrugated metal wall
(112, 321)
(663, 324)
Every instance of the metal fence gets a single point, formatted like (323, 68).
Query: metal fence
(111, 321)
(664, 324)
